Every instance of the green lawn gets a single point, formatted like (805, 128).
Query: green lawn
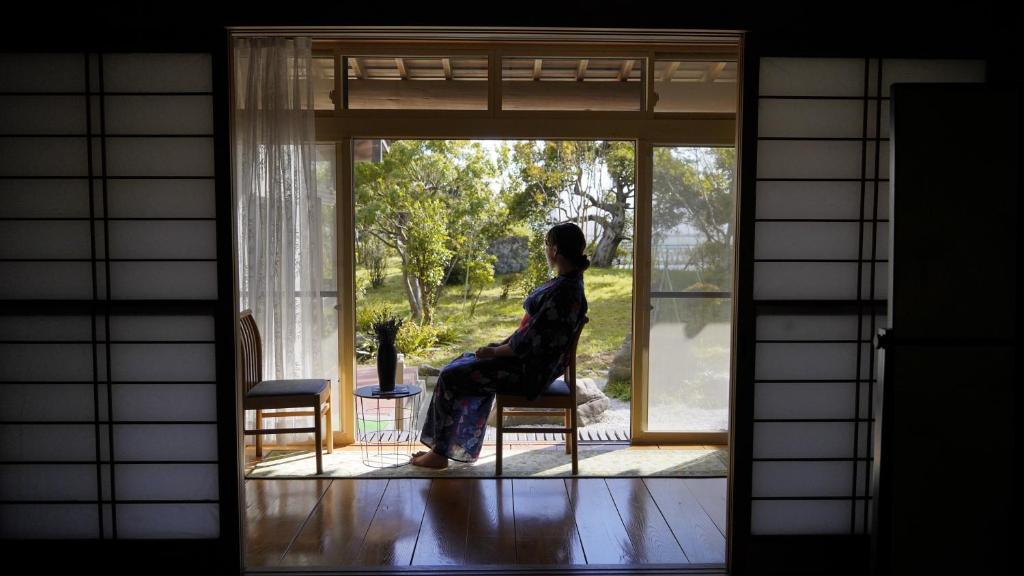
(609, 295)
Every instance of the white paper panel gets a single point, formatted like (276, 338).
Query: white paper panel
(811, 77)
(880, 238)
(782, 479)
(803, 439)
(884, 125)
(58, 156)
(48, 481)
(810, 118)
(162, 362)
(881, 280)
(883, 201)
(163, 239)
(44, 198)
(159, 114)
(805, 361)
(58, 442)
(164, 280)
(168, 521)
(178, 198)
(165, 442)
(808, 159)
(804, 400)
(64, 521)
(806, 327)
(160, 157)
(167, 481)
(157, 73)
(42, 115)
(39, 402)
(44, 327)
(800, 517)
(168, 328)
(805, 280)
(805, 240)
(45, 362)
(42, 72)
(883, 160)
(156, 402)
(896, 70)
(45, 280)
(43, 240)
(820, 200)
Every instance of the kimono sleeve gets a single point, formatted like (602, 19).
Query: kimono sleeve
(550, 330)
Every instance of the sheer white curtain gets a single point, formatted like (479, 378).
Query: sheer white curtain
(280, 258)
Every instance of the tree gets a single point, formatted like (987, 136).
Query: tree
(566, 180)
(430, 202)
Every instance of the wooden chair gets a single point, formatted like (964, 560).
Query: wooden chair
(560, 394)
(259, 394)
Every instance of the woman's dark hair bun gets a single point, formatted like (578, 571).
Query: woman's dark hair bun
(570, 242)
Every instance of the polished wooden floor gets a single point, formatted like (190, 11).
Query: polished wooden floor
(436, 522)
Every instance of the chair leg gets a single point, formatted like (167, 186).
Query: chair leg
(330, 429)
(575, 445)
(568, 435)
(318, 437)
(499, 421)
(259, 437)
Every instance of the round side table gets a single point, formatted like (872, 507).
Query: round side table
(386, 424)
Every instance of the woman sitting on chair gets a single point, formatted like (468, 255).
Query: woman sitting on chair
(525, 363)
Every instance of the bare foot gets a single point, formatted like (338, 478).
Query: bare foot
(430, 460)
(419, 453)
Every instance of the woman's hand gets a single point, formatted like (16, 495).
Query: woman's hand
(485, 352)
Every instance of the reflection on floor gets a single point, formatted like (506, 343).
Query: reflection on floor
(521, 460)
(473, 521)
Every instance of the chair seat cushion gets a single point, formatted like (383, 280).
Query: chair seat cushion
(557, 388)
(288, 387)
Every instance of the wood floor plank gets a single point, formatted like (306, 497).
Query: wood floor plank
(602, 533)
(492, 534)
(711, 494)
(275, 510)
(445, 526)
(334, 534)
(545, 528)
(651, 537)
(391, 539)
(693, 528)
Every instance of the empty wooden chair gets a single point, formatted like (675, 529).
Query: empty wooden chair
(560, 394)
(259, 394)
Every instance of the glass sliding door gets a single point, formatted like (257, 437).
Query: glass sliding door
(691, 277)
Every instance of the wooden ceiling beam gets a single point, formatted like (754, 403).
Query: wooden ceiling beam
(538, 64)
(581, 69)
(713, 72)
(357, 68)
(402, 72)
(446, 63)
(625, 70)
(670, 71)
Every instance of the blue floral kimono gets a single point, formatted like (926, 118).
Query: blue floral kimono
(462, 400)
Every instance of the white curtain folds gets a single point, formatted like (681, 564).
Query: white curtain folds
(280, 255)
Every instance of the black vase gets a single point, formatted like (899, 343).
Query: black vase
(387, 359)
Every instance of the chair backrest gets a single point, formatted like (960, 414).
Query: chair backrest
(570, 365)
(252, 351)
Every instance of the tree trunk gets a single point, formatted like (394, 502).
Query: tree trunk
(611, 237)
(413, 294)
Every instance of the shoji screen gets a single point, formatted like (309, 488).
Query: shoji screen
(820, 279)
(107, 291)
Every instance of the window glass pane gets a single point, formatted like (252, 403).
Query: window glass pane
(323, 82)
(692, 219)
(695, 86)
(417, 83)
(536, 83)
(688, 386)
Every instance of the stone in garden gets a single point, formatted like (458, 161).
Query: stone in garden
(622, 364)
(512, 253)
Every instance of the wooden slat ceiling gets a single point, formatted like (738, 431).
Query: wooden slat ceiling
(529, 69)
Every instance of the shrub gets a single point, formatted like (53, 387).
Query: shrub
(620, 389)
(366, 314)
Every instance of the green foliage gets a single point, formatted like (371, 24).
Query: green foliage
(507, 282)
(363, 283)
(374, 258)
(416, 338)
(620, 389)
(369, 312)
(537, 270)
